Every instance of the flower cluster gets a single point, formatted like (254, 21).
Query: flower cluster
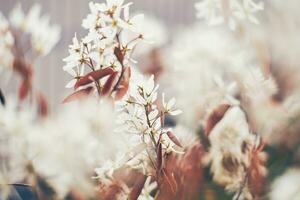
(232, 12)
(106, 49)
(142, 116)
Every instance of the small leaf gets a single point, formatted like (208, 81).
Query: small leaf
(216, 115)
(2, 98)
(108, 84)
(93, 76)
(78, 94)
(174, 138)
(137, 188)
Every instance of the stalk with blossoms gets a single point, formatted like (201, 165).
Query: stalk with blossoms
(101, 64)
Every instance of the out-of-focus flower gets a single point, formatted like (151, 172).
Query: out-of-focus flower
(286, 186)
(231, 153)
(213, 64)
(155, 34)
(44, 36)
(6, 43)
(232, 12)
(28, 141)
(24, 38)
(257, 87)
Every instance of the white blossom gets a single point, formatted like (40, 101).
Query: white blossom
(232, 12)
(206, 72)
(44, 36)
(228, 152)
(169, 106)
(257, 86)
(107, 23)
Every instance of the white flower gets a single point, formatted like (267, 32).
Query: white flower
(17, 17)
(143, 90)
(227, 91)
(77, 55)
(104, 43)
(169, 106)
(44, 35)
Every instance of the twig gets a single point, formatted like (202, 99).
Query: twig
(242, 186)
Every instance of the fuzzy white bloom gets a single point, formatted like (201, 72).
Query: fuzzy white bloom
(44, 36)
(231, 150)
(286, 186)
(227, 139)
(63, 149)
(207, 69)
(6, 42)
(232, 12)
(185, 135)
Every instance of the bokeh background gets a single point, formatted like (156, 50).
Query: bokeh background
(69, 14)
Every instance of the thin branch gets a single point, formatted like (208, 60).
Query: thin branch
(242, 186)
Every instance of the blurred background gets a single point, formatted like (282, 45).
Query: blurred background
(69, 15)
